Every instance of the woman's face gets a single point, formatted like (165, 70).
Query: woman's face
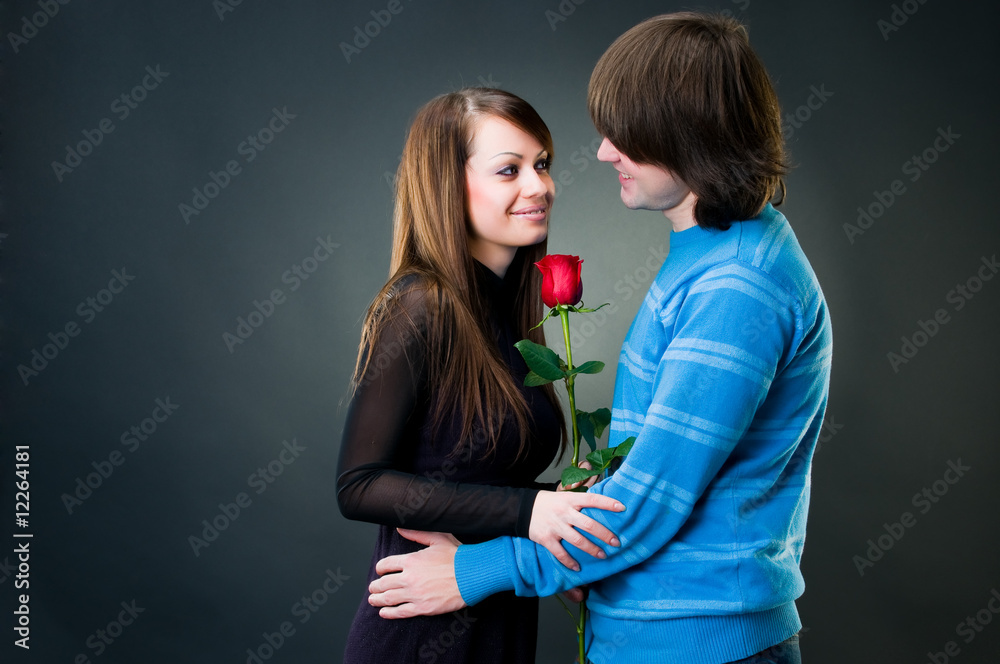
(509, 192)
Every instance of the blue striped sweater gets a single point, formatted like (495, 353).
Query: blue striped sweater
(723, 379)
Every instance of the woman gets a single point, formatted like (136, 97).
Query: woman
(441, 434)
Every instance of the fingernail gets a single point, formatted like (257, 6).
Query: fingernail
(615, 541)
(576, 568)
(601, 554)
(619, 507)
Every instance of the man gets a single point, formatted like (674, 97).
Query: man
(723, 378)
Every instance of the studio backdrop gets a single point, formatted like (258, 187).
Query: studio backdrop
(197, 201)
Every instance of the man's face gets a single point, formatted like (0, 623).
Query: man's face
(650, 187)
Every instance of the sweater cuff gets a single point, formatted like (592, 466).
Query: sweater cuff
(484, 569)
(523, 524)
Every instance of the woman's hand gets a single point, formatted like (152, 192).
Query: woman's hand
(556, 516)
(576, 595)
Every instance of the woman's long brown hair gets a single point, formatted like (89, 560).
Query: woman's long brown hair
(431, 243)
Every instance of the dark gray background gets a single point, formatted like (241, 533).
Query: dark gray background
(890, 433)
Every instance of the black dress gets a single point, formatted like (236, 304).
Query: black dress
(393, 473)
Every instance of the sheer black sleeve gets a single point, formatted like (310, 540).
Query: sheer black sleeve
(379, 441)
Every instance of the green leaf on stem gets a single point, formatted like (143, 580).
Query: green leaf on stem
(624, 447)
(534, 380)
(601, 419)
(602, 458)
(592, 425)
(552, 312)
(573, 475)
(582, 310)
(585, 425)
(541, 360)
(591, 367)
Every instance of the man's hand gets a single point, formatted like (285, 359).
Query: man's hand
(421, 583)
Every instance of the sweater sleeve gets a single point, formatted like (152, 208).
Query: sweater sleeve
(373, 480)
(706, 378)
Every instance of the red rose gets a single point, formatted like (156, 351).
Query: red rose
(561, 279)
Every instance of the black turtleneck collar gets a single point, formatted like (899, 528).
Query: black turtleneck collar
(500, 291)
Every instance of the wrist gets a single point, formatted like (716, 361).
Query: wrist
(484, 569)
(524, 512)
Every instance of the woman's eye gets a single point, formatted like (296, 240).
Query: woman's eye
(508, 170)
(543, 164)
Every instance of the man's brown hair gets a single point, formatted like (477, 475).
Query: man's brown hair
(686, 92)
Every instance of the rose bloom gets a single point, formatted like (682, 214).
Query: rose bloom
(561, 282)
